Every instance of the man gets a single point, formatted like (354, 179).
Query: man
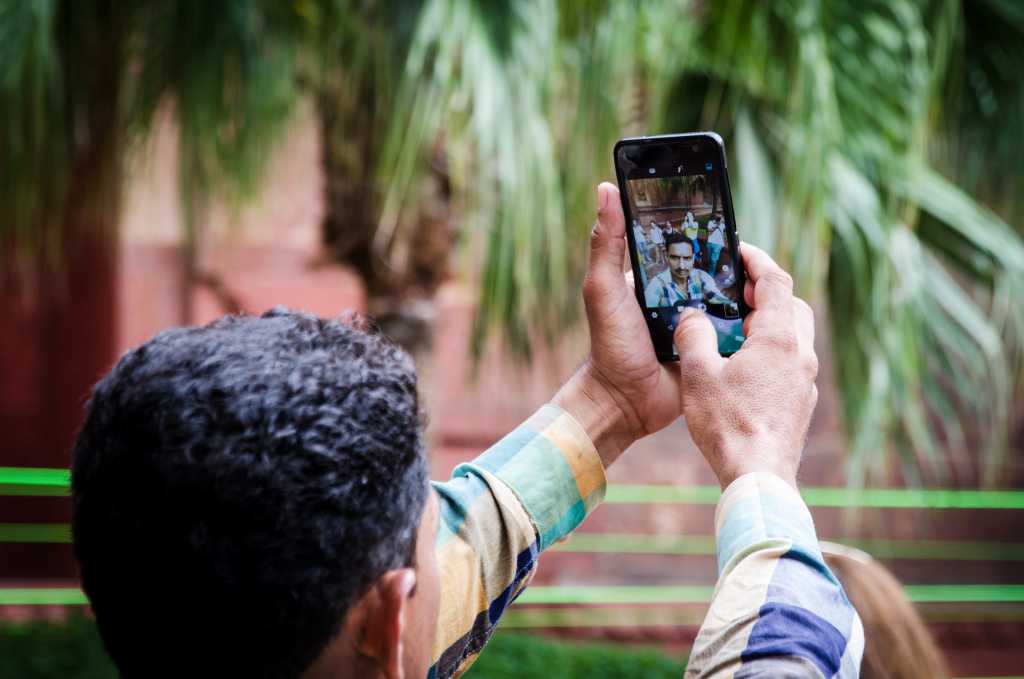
(640, 237)
(681, 283)
(716, 240)
(691, 229)
(250, 498)
(643, 247)
(655, 239)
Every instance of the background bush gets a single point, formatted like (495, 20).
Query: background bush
(40, 650)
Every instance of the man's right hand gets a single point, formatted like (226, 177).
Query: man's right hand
(750, 412)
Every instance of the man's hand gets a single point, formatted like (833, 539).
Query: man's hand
(751, 412)
(621, 392)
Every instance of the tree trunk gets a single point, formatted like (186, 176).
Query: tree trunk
(351, 126)
(348, 154)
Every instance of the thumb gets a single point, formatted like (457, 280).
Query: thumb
(607, 242)
(697, 344)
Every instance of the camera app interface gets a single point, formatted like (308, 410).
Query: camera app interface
(682, 246)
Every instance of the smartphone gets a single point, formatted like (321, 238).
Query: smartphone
(682, 237)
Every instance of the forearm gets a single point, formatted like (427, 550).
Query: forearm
(595, 409)
(498, 513)
(777, 609)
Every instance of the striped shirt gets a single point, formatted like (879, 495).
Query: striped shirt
(532, 488)
(664, 291)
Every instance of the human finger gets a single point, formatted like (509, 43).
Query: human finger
(773, 296)
(772, 284)
(607, 241)
(697, 345)
(804, 317)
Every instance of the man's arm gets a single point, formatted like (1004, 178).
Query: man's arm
(777, 610)
(498, 513)
(710, 288)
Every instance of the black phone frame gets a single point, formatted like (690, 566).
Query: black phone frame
(679, 140)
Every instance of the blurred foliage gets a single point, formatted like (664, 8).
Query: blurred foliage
(873, 144)
(229, 72)
(528, 100)
(40, 650)
(227, 69)
(358, 52)
(983, 103)
(58, 112)
(856, 130)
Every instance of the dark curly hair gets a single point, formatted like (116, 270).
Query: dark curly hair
(236, 487)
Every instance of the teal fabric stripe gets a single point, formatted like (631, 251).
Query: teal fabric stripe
(534, 468)
(765, 512)
(459, 493)
(565, 525)
(741, 528)
(495, 457)
(455, 499)
(543, 481)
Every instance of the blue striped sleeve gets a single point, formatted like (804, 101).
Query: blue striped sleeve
(778, 610)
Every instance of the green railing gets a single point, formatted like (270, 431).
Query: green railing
(647, 605)
(665, 545)
(49, 482)
(32, 481)
(601, 595)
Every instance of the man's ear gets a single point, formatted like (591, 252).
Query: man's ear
(377, 621)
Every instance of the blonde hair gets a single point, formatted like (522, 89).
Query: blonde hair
(897, 645)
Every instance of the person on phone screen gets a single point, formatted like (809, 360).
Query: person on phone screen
(716, 241)
(655, 243)
(681, 283)
(269, 474)
(640, 236)
(691, 229)
(641, 249)
(649, 242)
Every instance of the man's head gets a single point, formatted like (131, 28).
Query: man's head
(250, 498)
(680, 257)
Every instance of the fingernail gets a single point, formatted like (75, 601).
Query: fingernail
(602, 198)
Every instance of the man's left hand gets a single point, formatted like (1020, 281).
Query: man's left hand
(621, 393)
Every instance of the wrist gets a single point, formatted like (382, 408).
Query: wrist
(594, 406)
(746, 455)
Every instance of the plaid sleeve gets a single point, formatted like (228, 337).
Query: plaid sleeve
(777, 610)
(498, 513)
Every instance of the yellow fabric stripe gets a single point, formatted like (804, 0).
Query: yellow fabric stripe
(480, 562)
(579, 452)
(463, 593)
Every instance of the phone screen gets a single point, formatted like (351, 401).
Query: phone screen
(682, 235)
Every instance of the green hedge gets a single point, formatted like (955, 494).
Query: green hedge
(519, 656)
(40, 650)
(73, 650)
